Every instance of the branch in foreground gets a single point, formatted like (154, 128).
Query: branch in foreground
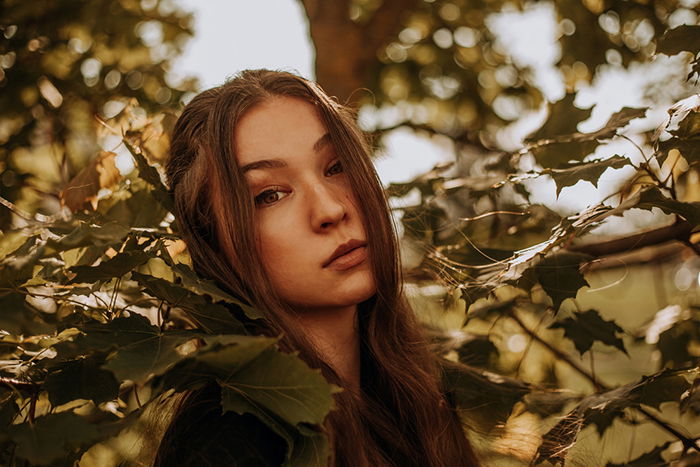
(679, 231)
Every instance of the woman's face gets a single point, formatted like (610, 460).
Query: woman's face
(309, 230)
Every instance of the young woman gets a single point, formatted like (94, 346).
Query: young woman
(278, 201)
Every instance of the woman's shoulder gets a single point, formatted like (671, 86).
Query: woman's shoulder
(202, 434)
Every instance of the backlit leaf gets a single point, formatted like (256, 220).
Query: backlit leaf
(561, 152)
(563, 119)
(86, 234)
(101, 173)
(117, 266)
(151, 176)
(653, 197)
(682, 38)
(588, 171)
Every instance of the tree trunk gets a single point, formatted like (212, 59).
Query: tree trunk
(346, 51)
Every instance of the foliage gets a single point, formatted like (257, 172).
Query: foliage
(103, 318)
(62, 63)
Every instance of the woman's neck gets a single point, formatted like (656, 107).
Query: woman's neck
(334, 333)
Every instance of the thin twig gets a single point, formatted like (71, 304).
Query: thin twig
(558, 353)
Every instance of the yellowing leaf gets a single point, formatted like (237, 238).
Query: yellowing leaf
(101, 173)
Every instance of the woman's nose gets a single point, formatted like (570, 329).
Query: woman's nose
(327, 206)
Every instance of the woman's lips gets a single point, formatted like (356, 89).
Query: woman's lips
(349, 260)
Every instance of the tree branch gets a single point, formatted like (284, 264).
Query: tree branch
(679, 231)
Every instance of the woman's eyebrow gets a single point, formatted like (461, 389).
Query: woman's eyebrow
(322, 142)
(278, 163)
(264, 164)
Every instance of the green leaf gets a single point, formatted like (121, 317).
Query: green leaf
(140, 209)
(653, 197)
(559, 275)
(279, 389)
(557, 149)
(81, 379)
(689, 148)
(618, 120)
(682, 38)
(284, 385)
(563, 119)
(18, 317)
(89, 235)
(305, 447)
(587, 327)
(150, 174)
(674, 343)
(18, 267)
(311, 450)
(209, 317)
(478, 351)
(50, 437)
(201, 286)
(138, 348)
(485, 398)
(591, 171)
(556, 153)
(657, 389)
(117, 266)
(216, 359)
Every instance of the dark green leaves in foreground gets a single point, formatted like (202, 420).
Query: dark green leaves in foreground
(81, 378)
(587, 327)
(53, 436)
(277, 388)
(137, 348)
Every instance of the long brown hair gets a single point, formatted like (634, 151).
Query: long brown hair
(400, 417)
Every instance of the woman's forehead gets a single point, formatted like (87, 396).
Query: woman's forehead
(278, 128)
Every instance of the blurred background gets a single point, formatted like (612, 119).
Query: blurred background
(451, 93)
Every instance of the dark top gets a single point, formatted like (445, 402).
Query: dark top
(201, 435)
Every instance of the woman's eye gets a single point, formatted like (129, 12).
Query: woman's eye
(268, 197)
(335, 169)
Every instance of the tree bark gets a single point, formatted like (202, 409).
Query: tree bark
(346, 51)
